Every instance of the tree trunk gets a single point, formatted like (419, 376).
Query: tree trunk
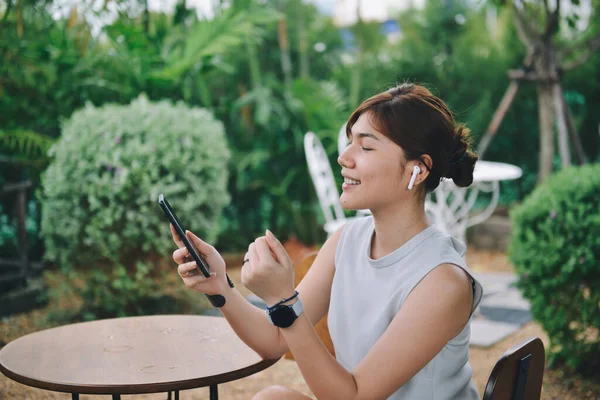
(246, 115)
(492, 128)
(561, 125)
(546, 77)
(546, 119)
(20, 18)
(581, 159)
(284, 46)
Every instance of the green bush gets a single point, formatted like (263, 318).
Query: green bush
(99, 202)
(555, 247)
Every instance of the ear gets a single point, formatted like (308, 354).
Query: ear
(425, 163)
(420, 170)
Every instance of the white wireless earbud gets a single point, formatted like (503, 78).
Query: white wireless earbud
(415, 172)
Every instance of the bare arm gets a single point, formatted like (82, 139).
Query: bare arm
(416, 334)
(251, 325)
(249, 322)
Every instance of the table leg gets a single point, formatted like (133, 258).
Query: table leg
(214, 392)
(74, 396)
(116, 397)
(176, 395)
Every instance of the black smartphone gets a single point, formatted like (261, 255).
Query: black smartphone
(217, 300)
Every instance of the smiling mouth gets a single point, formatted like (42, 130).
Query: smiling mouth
(349, 181)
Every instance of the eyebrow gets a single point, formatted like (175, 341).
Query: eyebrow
(366, 135)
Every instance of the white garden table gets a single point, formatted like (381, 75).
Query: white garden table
(450, 207)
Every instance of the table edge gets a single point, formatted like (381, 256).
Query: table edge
(145, 387)
(518, 172)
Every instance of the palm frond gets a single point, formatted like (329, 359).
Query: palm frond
(223, 34)
(25, 143)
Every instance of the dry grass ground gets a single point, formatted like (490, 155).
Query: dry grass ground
(286, 372)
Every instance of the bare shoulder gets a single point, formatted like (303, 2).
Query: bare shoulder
(449, 280)
(452, 288)
(449, 275)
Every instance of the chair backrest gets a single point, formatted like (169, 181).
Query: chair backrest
(518, 374)
(342, 140)
(322, 177)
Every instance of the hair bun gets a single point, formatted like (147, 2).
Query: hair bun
(463, 163)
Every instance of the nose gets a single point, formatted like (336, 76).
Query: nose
(345, 159)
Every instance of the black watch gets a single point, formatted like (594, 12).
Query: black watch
(284, 316)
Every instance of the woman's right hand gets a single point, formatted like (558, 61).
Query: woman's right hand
(188, 270)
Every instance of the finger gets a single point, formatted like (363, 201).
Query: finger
(203, 247)
(263, 250)
(250, 267)
(181, 255)
(193, 279)
(176, 237)
(276, 247)
(245, 260)
(247, 269)
(253, 255)
(189, 269)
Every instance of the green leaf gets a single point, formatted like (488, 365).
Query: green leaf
(224, 34)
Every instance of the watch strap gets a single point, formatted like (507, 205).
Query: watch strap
(297, 309)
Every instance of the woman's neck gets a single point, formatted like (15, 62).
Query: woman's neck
(393, 228)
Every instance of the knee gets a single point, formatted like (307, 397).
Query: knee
(273, 393)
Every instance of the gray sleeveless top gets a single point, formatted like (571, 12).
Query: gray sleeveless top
(367, 294)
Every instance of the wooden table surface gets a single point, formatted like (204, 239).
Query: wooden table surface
(131, 355)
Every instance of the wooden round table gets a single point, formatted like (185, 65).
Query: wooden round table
(132, 355)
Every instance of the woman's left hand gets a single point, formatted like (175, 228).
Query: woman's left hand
(267, 270)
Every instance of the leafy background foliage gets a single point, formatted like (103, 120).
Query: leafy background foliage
(108, 168)
(555, 248)
(100, 192)
(233, 64)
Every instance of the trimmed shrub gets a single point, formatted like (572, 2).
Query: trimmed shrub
(99, 203)
(555, 247)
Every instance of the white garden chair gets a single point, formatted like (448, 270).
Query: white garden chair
(322, 177)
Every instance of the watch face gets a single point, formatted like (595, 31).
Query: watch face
(283, 316)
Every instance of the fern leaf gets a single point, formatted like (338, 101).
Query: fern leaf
(29, 144)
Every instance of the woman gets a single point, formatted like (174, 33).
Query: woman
(398, 292)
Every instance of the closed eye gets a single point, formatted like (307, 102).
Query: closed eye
(364, 148)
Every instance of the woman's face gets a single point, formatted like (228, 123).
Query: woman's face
(372, 166)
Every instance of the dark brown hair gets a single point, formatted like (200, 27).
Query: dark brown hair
(421, 123)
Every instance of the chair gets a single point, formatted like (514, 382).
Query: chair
(518, 373)
(342, 142)
(322, 177)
